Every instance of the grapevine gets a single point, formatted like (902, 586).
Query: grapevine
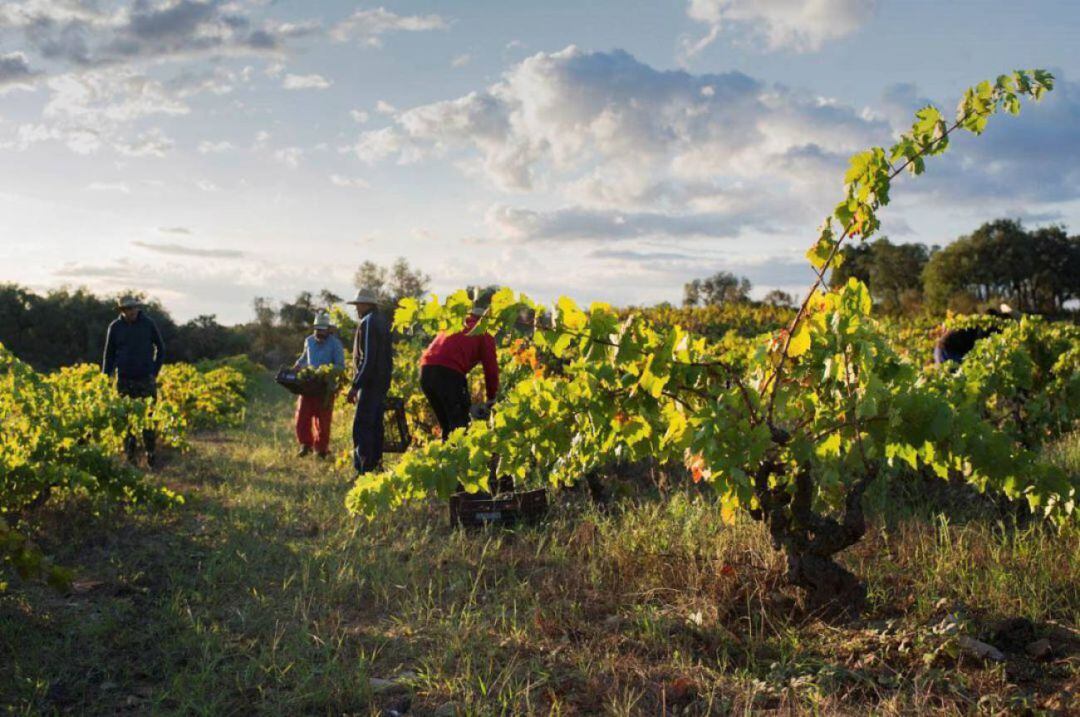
(792, 427)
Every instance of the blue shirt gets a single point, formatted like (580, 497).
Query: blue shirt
(320, 353)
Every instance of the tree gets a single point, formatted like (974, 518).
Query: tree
(391, 285)
(1033, 271)
(720, 288)
(776, 297)
(893, 272)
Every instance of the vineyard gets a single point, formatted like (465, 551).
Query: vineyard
(62, 434)
(753, 509)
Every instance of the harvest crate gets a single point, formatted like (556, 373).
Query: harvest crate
(472, 512)
(396, 436)
(290, 379)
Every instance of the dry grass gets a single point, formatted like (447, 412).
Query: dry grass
(261, 596)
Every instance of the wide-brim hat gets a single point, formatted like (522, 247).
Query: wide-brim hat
(322, 321)
(363, 297)
(128, 302)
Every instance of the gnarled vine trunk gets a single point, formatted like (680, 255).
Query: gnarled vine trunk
(811, 541)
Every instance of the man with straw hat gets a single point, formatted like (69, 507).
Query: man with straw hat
(134, 353)
(314, 414)
(373, 362)
(445, 367)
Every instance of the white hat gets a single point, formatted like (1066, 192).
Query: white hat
(128, 302)
(1005, 309)
(363, 297)
(322, 320)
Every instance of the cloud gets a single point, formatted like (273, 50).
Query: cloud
(577, 223)
(305, 82)
(92, 34)
(385, 108)
(351, 182)
(208, 147)
(121, 187)
(795, 25)
(181, 250)
(368, 26)
(174, 230)
(673, 151)
(289, 156)
(15, 70)
(461, 60)
(359, 116)
(206, 185)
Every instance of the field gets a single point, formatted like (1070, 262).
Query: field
(261, 595)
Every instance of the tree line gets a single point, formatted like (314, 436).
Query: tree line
(1034, 271)
(67, 326)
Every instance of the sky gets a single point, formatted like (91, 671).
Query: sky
(206, 152)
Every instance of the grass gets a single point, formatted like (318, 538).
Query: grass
(262, 596)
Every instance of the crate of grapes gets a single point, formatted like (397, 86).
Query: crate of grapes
(305, 382)
(473, 511)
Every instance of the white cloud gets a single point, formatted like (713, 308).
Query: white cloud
(305, 82)
(368, 26)
(461, 60)
(675, 152)
(359, 116)
(351, 182)
(289, 156)
(206, 185)
(208, 147)
(797, 25)
(385, 108)
(121, 187)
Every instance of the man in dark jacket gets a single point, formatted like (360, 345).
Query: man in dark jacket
(134, 353)
(373, 362)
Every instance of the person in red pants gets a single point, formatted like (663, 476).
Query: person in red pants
(314, 414)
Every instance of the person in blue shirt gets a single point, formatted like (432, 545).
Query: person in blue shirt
(314, 414)
(134, 353)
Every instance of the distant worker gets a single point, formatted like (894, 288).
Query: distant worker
(314, 414)
(134, 353)
(444, 370)
(373, 363)
(955, 344)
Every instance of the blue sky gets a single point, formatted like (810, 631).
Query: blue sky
(211, 152)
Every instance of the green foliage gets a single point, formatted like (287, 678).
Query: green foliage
(60, 434)
(806, 416)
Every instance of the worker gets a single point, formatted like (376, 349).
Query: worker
(315, 414)
(373, 364)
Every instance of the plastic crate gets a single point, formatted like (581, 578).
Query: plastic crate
(290, 379)
(470, 511)
(396, 436)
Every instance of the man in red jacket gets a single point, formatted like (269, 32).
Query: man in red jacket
(444, 370)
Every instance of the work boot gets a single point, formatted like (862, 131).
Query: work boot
(304, 451)
(323, 455)
(130, 446)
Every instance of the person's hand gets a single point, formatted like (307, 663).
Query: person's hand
(352, 395)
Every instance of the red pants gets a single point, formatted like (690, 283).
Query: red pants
(314, 412)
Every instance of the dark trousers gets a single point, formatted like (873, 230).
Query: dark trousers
(448, 393)
(367, 430)
(139, 388)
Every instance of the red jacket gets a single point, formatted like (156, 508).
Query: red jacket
(461, 352)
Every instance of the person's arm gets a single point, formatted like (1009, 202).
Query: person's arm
(302, 361)
(108, 361)
(159, 348)
(368, 346)
(491, 366)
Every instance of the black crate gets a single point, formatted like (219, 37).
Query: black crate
(290, 379)
(470, 511)
(396, 436)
